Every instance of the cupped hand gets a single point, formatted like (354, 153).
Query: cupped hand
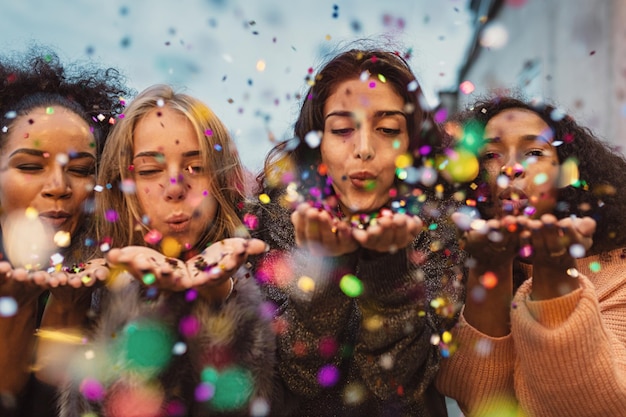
(20, 284)
(391, 232)
(221, 260)
(320, 233)
(491, 242)
(151, 267)
(558, 242)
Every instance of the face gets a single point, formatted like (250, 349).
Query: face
(172, 182)
(48, 164)
(521, 164)
(365, 130)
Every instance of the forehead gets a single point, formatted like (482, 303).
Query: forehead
(43, 127)
(370, 93)
(515, 122)
(164, 127)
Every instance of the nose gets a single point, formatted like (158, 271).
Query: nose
(512, 170)
(363, 147)
(57, 185)
(175, 189)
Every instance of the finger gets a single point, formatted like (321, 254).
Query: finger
(256, 247)
(40, 278)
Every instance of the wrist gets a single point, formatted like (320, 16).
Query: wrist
(552, 281)
(218, 294)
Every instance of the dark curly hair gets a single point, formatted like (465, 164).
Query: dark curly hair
(39, 79)
(422, 129)
(602, 168)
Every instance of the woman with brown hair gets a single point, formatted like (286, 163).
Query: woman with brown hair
(360, 245)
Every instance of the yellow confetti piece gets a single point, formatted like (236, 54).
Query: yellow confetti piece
(171, 247)
(404, 161)
(306, 284)
(31, 213)
(60, 336)
(264, 198)
(62, 239)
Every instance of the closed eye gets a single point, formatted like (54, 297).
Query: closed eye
(29, 167)
(389, 132)
(342, 132)
(82, 171)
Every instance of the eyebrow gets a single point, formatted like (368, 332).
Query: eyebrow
(379, 114)
(525, 138)
(155, 154)
(41, 154)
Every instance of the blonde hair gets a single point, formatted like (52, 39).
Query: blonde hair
(217, 151)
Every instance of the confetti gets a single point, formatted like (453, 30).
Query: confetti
(8, 307)
(351, 285)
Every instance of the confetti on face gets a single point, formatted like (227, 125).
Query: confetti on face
(92, 389)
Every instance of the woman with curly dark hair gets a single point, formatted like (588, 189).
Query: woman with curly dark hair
(542, 331)
(54, 120)
(360, 244)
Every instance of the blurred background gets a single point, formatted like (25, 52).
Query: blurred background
(249, 59)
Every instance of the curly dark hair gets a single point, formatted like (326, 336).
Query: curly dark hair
(39, 79)
(601, 167)
(422, 129)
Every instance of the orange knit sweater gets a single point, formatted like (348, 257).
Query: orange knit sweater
(563, 357)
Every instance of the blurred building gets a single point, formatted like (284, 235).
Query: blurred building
(569, 52)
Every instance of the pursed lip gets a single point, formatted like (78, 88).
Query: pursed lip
(178, 222)
(513, 200)
(361, 179)
(55, 218)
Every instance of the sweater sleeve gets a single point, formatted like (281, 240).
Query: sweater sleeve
(572, 351)
(479, 375)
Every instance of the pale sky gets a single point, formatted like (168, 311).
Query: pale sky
(247, 59)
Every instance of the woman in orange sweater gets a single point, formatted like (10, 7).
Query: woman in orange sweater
(542, 332)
